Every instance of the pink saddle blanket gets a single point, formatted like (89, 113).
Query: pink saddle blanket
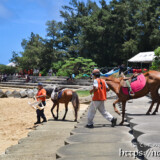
(136, 85)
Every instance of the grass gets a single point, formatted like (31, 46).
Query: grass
(84, 93)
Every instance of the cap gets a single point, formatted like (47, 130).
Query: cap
(96, 71)
(40, 84)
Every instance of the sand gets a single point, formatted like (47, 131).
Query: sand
(17, 119)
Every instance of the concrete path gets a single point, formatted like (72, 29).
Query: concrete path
(100, 143)
(146, 128)
(42, 143)
(103, 142)
(140, 140)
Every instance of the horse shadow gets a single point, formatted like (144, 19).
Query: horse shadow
(33, 128)
(136, 114)
(60, 120)
(107, 125)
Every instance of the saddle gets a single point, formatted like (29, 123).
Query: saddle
(133, 78)
(133, 84)
(60, 94)
(61, 90)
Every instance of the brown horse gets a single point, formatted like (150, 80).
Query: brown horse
(66, 96)
(152, 85)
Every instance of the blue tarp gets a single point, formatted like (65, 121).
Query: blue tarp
(85, 75)
(109, 73)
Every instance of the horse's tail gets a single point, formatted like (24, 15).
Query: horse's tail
(76, 104)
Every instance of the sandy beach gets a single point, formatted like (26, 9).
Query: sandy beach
(17, 119)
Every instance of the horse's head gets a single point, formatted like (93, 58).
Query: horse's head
(54, 95)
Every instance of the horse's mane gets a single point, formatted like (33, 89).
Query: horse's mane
(113, 79)
(48, 91)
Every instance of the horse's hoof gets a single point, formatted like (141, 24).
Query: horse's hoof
(154, 113)
(75, 120)
(118, 112)
(147, 113)
(121, 124)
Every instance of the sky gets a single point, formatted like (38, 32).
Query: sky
(18, 18)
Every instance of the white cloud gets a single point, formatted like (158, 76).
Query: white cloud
(4, 12)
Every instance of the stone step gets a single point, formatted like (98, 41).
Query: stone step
(148, 140)
(48, 82)
(97, 158)
(28, 157)
(150, 127)
(94, 149)
(145, 128)
(136, 120)
(41, 142)
(32, 85)
(102, 138)
(152, 154)
(100, 130)
(101, 141)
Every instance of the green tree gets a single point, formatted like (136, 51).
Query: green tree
(38, 53)
(57, 65)
(7, 69)
(79, 66)
(109, 34)
(31, 56)
(156, 61)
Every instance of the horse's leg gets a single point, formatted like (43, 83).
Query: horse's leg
(75, 103)
(155, 97)
(123, 112)
(114, 106)
(150, 108)
(57, 111)
(66, 110)
(52, 111)
(156, 110)
(75, 109)
(76, 112)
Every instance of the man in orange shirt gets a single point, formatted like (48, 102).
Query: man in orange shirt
(98, 101)
(41, 95)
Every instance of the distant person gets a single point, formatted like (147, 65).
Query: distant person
(4, 78)
(98, 101)
(50, 72)
(73, 76)
(91, 76)
(121, 69)
(28, 78)
(41, 95)
(69, 79)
